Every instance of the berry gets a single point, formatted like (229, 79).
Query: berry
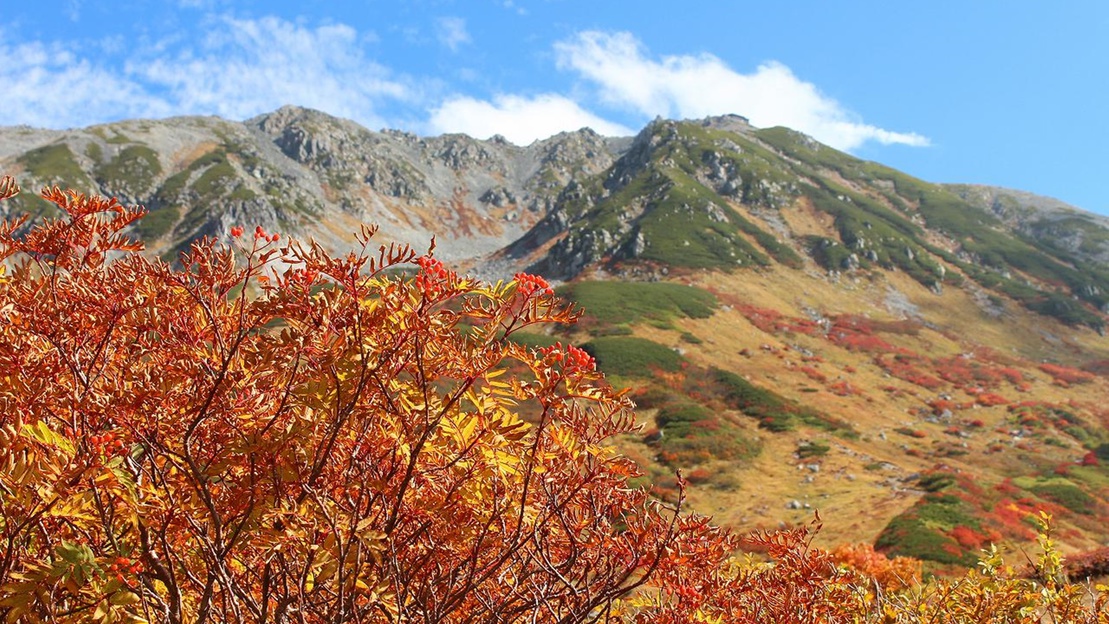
(530, 284)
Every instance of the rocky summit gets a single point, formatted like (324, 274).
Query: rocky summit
(311, 175)
(923, 363)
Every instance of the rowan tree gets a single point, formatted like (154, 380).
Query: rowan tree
(267, 432)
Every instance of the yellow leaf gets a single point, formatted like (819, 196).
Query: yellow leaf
(124, 598)
(467, 430)
(327, 570)
(101, 611)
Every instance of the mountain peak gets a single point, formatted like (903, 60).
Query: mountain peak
(730, 123)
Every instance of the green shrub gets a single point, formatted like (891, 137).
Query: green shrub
(615, 303)
(936, 481)
(1102, 452)
(773, 411)
(829, 253)
(920, 531)
(629, 356)
(55, 164)
(690, 338)
(693, 434)
(133, 170)
(1065, 493)
(676, 418)
(157, 223)
(813, 449)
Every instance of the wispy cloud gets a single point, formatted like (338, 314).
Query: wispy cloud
(697, 86)
(451, 32)
(240, 69)
(206, 5)
(512, 6)
(73, 10)
(245, 67)
(47, 85)
(519, 119)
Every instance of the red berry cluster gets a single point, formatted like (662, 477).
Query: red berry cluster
(528, 284)
(106, 444)
(572, 358)
(122, 566)
(260, 233)
(433, 276)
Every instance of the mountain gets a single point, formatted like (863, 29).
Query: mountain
(923, 363)
(310, 174)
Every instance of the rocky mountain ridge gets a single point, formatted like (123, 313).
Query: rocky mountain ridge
(309, 174)
(710, 194)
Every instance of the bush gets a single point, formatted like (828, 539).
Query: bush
(936, 481)
(617, 303)
(678, 419)
(1065, 493)
(700, 476)
(229, 441)
(223, 443)
(774, 412)
(630, 356)
(1089, 564)
(815, 448)
(1066, 376)
(690, 433)
(922, 531)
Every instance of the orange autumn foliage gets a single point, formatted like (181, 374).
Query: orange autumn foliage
(274, 433)
(889, 574)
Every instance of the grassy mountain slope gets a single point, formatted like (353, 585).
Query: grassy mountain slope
(871, 399)
(923, 369)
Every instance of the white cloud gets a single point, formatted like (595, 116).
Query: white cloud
(246, 67)
(451, 32)
(242, 68)
(48, 86)
(698, 86)
(518, 119)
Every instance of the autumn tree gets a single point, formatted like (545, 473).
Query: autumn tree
(267, 432)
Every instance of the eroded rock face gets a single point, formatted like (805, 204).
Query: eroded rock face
(306, 173)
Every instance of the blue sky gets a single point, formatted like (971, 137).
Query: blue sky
(1009, 93)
